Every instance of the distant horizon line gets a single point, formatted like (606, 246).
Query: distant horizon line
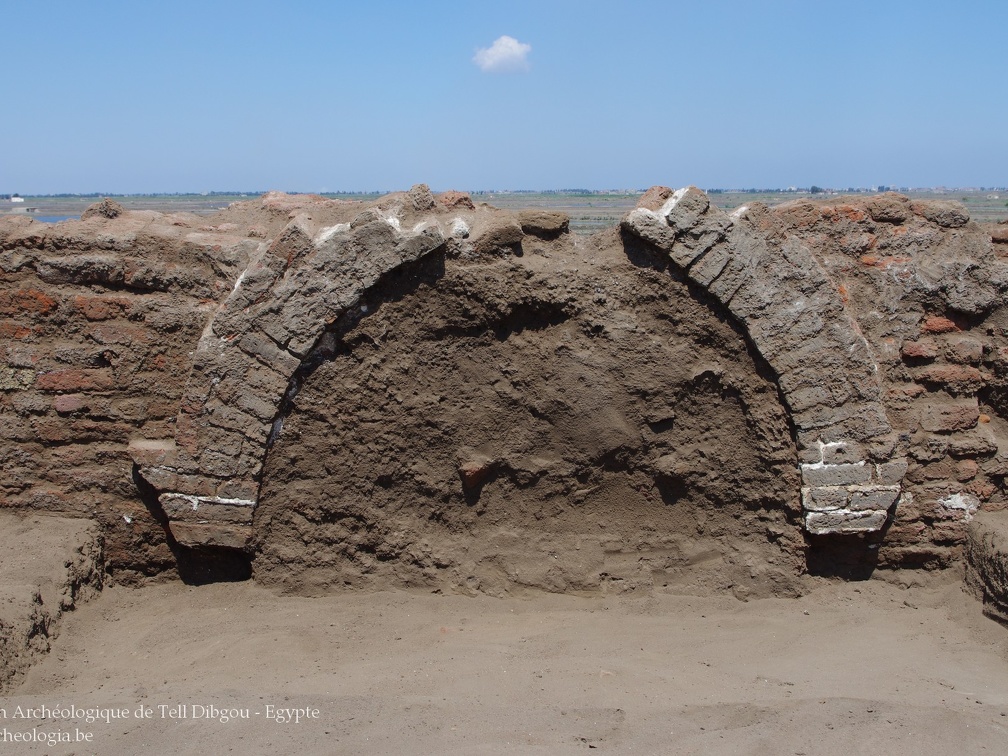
(813, 189)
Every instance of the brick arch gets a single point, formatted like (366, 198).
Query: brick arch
(208, 477)
(796, 319)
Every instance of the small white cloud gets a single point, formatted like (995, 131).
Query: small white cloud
(505, 54)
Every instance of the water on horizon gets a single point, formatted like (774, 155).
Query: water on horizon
(54, 218)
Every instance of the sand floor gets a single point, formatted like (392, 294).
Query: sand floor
(868, 667)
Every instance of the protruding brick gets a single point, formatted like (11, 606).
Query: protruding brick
(835, 475)
(547, 224)
(194, 534)
(268, 353)
(22, 357)
(873, 498)
(824, 499)
(649, 226)
(944, 214)
(475, 471)
(224, 416)
(826, 523)
(683, 209)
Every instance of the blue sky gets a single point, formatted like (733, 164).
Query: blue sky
(326, 96)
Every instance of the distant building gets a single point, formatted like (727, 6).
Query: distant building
(15, 198)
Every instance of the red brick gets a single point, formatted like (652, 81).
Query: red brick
(101, 308)
(474, 472)
(852, 213)
(18, 301)
(958, 379)
(66, 403)
(905, 391)
(981, 489)
(923, 349)
(652, 199)
(10, 330)
(75, 380)
(938, 324)
(966, 470)
(115, 333)
(453, 199)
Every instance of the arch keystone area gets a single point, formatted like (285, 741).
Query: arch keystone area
(796, 320)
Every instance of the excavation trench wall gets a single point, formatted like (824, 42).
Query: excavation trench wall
(426, 392)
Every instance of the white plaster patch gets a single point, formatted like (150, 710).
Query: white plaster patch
(672, 201)
(238, 281)
(329, 232)
(128, 519)
(229, 502)
(967, 503)
(738, 212)
(394, 222)
(823, 448)
(195, 501)
(643, 212)
(419, 227)
(459, 229)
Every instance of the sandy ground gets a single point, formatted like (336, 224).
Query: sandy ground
(866, 667)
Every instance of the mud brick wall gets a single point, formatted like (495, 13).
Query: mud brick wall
(926, 287)
(98, 320)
